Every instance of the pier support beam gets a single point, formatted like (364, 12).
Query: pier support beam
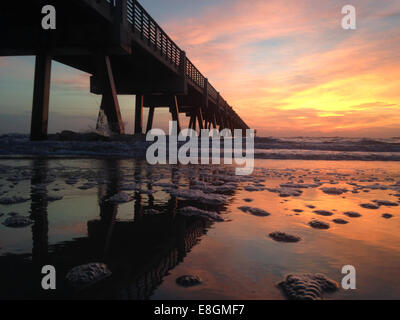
(200, 119)
(174, 109)
(150, 119)
(215, 111)
(205, 116)
(41, 97)
(192, 124)
(214, 121)
(139, 114)
(109, 101)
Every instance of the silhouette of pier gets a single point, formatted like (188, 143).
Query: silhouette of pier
(125, 51)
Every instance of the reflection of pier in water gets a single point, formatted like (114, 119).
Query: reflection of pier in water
(139, 251)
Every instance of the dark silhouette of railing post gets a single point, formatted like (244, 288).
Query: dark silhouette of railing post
(41, 96)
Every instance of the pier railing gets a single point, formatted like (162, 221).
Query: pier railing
(142, 24)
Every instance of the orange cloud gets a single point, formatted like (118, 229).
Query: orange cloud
(293, 68)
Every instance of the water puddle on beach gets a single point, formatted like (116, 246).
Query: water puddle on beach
(153, 224)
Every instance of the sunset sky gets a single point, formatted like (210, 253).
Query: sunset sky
(287, 67)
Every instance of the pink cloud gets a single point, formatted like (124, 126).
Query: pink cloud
(238, 48)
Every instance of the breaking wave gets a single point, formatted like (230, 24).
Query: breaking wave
(69, 144)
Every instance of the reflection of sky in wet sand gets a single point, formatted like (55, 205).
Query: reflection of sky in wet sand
(236, 259)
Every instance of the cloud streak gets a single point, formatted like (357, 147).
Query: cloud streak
(278, 60)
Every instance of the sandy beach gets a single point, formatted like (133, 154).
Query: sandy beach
(153, 224)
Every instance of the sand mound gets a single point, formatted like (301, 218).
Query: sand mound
(254, 211)
(189, 281)
(286, 192)
(340, 221)
(151, 212)
(71, 181)
(352, 214)
(54, 197)
(316, 224)
(192, 211)
(200, 196)
(120, 197)
(333, 191)
(369, 206)
(385, 203)
(87, 186)
(307, 286)
(13, 200)
(283, 237)
(323, 212)
(17, 221)
(87, 275)
(253, 188)
(387, 216)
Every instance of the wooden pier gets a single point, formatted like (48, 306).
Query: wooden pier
(125, 51)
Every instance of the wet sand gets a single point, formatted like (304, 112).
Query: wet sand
(144, 224)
